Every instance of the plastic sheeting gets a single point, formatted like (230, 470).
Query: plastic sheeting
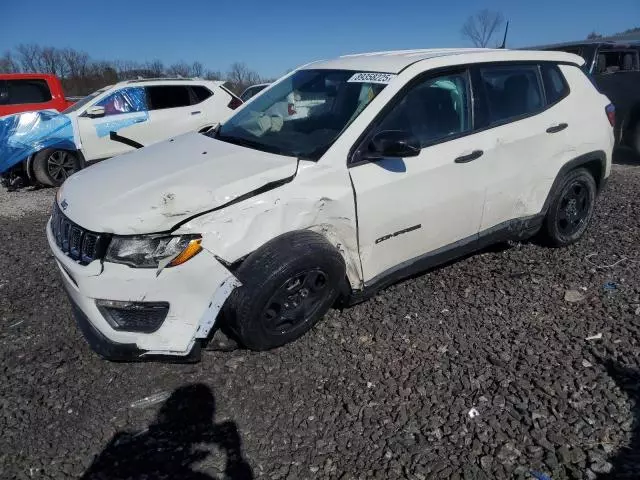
(122, 108)
(26, 133)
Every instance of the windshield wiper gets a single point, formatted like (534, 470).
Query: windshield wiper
(243, 142)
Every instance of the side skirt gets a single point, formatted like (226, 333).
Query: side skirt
(518, 229)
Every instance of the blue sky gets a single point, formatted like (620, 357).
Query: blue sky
(273, 36)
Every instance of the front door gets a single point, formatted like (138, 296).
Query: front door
(126, 113)
(409, 208)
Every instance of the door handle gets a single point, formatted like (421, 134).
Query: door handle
(557, 128)
(469, 158)
(197, 112)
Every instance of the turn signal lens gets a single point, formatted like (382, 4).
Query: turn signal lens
(192, 249)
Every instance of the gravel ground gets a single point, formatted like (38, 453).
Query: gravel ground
(386, 389)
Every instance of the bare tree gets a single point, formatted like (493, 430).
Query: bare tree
(29, 57)
(240, 77)
(213, 75)
(75, 62)
(156, 68)
(481, 27)
(180, 69)
(197, 69)
(8, 64)
(52, 62)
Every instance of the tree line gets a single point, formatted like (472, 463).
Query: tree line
(81, 75)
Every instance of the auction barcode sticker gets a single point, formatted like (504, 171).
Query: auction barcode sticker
(372, 77)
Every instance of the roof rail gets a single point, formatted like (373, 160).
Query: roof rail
(155, 79)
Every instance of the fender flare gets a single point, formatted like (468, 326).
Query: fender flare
(597, 157)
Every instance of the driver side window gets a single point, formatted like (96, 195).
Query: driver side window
(432, 110)
(126, 100)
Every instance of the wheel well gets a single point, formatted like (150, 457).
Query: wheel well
(596, 169)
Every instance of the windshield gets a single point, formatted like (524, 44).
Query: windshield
(81, 103)
(303, 114)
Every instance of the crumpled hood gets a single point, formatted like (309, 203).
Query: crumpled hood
(153, 189)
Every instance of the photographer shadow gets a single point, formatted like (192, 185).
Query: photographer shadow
(173, 444)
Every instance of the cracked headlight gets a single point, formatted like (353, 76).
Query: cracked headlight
(153, 251)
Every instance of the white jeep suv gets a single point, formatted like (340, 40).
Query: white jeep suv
(139, 112)
(404, 161)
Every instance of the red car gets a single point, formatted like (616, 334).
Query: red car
(22, 92)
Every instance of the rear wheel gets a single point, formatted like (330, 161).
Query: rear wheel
(570, 210)
(287, 286)
(53, 166)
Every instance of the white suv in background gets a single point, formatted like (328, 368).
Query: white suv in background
(405, 161)
(140, 112)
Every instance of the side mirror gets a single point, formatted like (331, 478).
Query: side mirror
(95, 112)
(394, 143)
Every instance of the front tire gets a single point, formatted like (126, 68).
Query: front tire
(571, 209)
(288, 284)
(52, 166)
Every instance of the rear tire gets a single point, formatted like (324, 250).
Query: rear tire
(288, 284)
(52, 166)
(571, 209)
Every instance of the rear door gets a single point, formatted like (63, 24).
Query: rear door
(430, 203)
(522, 137)
(171, 111)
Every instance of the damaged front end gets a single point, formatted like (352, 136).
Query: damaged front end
(129, 313)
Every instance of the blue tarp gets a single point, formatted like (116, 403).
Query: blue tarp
(131, 101)
(26, 133)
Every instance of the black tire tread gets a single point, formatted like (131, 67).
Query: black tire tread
(40, 171)
(549, 235)
(260, 270)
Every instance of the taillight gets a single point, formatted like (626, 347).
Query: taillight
(611, 114)
(291, 108)
(234, 103)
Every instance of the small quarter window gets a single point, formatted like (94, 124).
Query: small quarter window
(555, 85)
(201, 93)
(512, 91)
(432, 110)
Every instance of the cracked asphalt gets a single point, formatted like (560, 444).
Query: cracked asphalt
(479, 369)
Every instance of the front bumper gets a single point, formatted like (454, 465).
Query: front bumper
(195, 291)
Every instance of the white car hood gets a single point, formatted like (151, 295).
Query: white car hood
(153, 189)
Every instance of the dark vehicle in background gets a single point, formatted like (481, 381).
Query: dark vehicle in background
(614, 67)
(24, 92)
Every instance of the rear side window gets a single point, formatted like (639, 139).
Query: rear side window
(26, 91)
(555, 86)
(512, 91)
(168, 96)
(616, 61)
(201, 93)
